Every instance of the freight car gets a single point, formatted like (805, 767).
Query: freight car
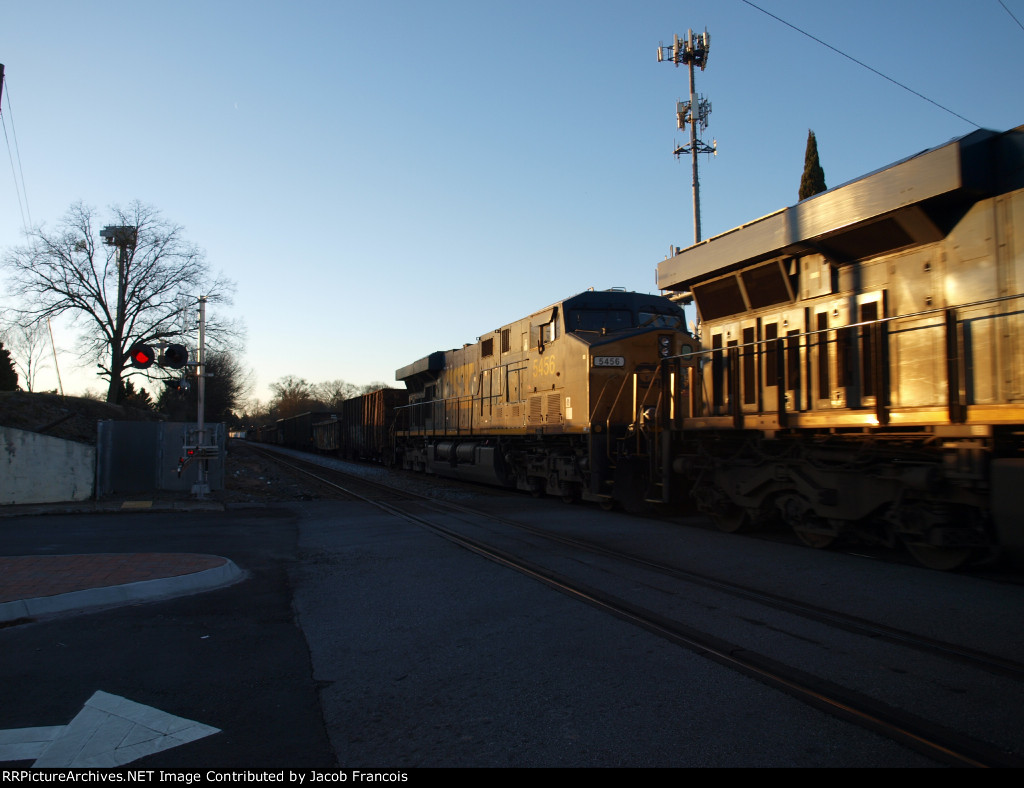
(558, 402)
(361, 427)
(296, 432)
(862, 373)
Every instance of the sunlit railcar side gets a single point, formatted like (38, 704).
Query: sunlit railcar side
(863, 367)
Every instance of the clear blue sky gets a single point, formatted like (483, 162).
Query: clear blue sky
(386, 179)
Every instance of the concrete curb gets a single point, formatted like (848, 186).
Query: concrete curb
(226, 574)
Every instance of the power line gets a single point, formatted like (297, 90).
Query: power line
(860, 63)
(1007, 10)
(19, 184)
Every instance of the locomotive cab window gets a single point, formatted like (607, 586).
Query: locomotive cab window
(659, 320)
(598, 320)
(547, 329)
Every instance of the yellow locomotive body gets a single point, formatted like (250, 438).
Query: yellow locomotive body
(560, 402)
(863, 367)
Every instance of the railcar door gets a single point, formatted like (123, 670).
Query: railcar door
(725, 370)
(830, 359)
(485, 397)
(750, 391)
(781, 356)
(872, 349)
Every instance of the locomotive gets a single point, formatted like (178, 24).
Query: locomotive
(862, 369)
(559, 402)
(860, 373)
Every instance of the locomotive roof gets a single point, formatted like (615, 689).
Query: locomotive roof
(961, 171)
(600, 299)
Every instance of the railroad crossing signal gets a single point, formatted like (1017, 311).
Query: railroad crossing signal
(141, 355)
(175, 357)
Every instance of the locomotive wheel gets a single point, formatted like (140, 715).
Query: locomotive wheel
(607, 504)
(942, 559)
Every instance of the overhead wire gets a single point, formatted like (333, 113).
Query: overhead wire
(19, 183)
(1007, 10)
(861, 63)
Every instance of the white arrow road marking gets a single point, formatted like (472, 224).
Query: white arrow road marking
(108, 731)
(23, 744)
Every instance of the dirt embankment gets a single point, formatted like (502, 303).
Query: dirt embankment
(71, 418)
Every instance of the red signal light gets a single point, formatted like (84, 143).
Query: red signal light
(141, 355)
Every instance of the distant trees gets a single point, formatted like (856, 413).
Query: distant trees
(294, 395)
(331, 393)
(813, 179)
(144, 297)
(140, 399)
(28, 349)
(8, 377)
(226, 387)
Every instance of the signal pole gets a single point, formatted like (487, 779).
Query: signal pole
(691, 52)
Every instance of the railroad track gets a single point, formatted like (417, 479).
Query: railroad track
(558, 560)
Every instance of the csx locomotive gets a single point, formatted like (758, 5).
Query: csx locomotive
(863, 367)
(559, 402)
(860, 372)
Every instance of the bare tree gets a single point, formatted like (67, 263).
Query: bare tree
(333, 392)
(28, 346)
(292, 396)
(144, 297)
(376, 385)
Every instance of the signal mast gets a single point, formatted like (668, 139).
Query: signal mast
(691, 52)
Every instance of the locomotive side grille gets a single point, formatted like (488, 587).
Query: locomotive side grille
(536, 414)
(554, 408)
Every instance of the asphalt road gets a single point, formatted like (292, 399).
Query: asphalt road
(359, 641)
(233, 658)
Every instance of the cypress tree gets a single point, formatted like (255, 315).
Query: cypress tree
(8, 377)
(813, 180)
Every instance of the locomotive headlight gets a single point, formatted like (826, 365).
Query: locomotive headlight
(664, 345)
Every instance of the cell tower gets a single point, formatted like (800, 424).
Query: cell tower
(691, 52)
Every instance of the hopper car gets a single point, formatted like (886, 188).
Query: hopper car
(360, 429)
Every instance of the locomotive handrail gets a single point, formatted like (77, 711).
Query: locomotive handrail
(876, 350)
(936, 310)
(446, 410)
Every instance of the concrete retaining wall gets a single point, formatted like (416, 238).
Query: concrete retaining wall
(41, 469)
